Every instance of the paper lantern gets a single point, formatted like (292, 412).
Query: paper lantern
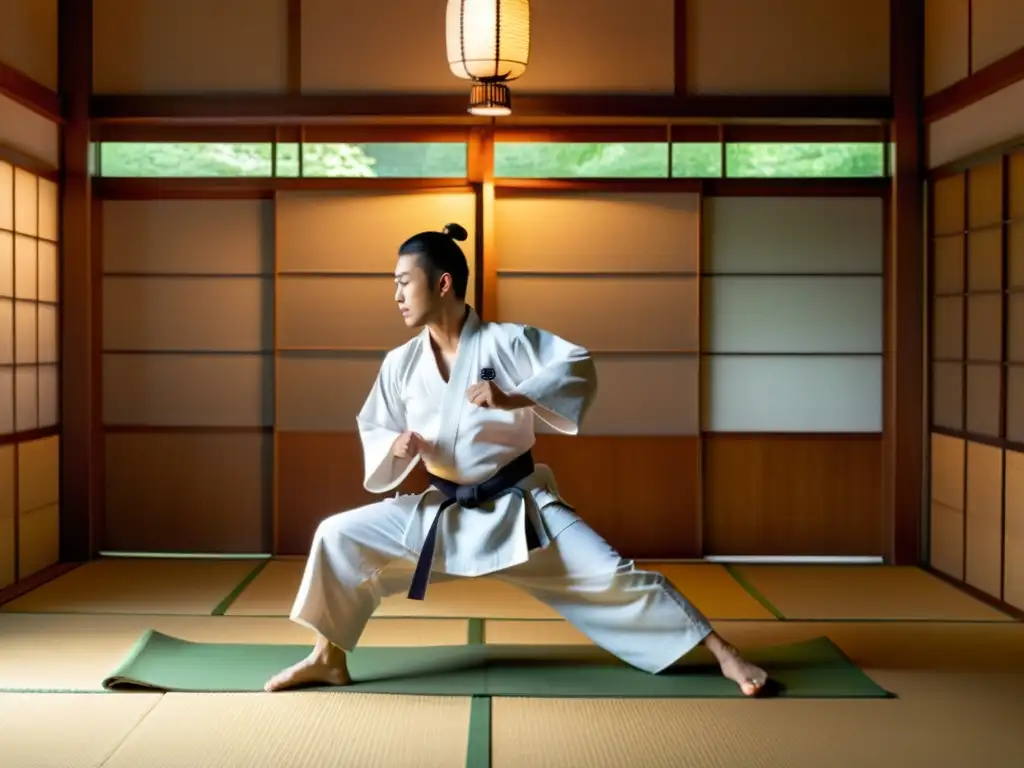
(489, 43)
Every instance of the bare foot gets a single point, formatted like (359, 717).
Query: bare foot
(750, 678)
(324, 666)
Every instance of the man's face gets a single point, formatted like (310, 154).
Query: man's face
(416, 298)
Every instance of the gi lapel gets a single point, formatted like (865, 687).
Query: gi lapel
(454, 402)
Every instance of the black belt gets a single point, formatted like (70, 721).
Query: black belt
(470, 496)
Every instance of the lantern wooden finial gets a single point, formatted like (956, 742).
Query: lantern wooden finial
(489, 43)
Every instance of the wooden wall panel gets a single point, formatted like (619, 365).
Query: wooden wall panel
(360, 232)
(984, 534)
(947, 505)
(532, 233)
(8, 509)
(38, 505)
(28, 39)
(793, 495)
(188, 237)
(947, 49)
(1013, 552)
(577, 46)
(188, 492)
(646, 505)
(189, 46)
(976, 465)
(188, 398)
(997, 30)
(788, 46)
(27, 132)
(990, 122)
(566, 258)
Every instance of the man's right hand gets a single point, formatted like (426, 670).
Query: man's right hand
(407, 445)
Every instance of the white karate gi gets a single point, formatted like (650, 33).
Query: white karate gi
(636, 615)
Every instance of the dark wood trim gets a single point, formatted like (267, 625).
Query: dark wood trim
(821, 187)
(481, 172)
(681, 47)
(975, 437)
(798, 134)
(1004, 352)
(256, 188)
(451, 106)
(19, 87)
(155, 132)
(656, 131)
(29, 163)
(793, 435)
(35, 581)
(153, 429)
(868, 187)
(294, 46)
(29, 435)
(988, 80)
(970, 37)
(977, 594)
(181, 189)
(81, 277)
(988, 155)
(905, 351)
(505, 188)
(597, 134)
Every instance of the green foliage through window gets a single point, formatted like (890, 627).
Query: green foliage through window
(410, 160)
(811, 160)
(572, 160)
(550, 160)
(157, 159)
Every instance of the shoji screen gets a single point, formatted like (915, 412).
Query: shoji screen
(792, 317)
(29, 393)
(617, 273)
(187, 374)
(336, 318)
(977, 377)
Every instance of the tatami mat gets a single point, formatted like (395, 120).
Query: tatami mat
(144, 585)
(950, 647)
(273, 592)
(712, 589)
(75, 652)
(67, 730)
(939, 720)
(299, 729)
(864, 592)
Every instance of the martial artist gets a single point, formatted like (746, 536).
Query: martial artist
(461, 397)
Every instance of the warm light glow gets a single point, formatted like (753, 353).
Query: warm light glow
(26, 202)
(489, 111)
(6, 197)
(488, 39)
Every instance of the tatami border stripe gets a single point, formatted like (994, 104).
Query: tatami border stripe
(478, 748)
(754, 593)
(475, 632)
(222, 609)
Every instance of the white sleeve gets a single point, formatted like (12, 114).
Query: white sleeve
(557, 375)
(381, 420)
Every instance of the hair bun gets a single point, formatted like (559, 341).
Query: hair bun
(455, 231)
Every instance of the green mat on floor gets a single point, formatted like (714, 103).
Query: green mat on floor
(814, 669)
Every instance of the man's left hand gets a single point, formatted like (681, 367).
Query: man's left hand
(486, 394)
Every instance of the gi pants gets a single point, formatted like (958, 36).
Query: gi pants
(636, 615)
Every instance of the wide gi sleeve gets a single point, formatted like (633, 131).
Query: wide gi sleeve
(380, 421)
(557, 375)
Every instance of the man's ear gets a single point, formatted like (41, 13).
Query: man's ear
(445, 283)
